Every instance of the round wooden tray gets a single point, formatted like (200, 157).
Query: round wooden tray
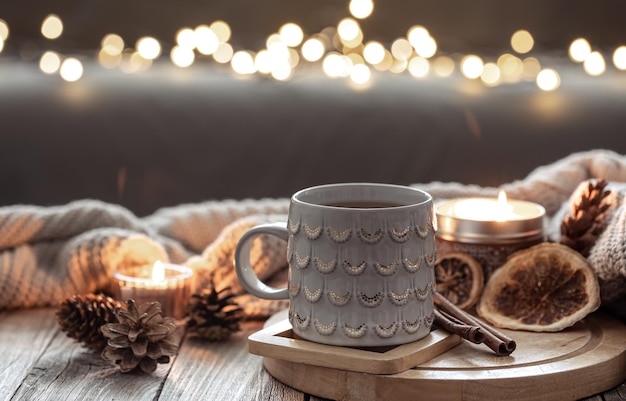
(580, 361)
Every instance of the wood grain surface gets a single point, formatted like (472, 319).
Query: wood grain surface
(40, 363)
(580, 361)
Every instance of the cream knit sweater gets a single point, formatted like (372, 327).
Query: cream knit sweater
(50, 253)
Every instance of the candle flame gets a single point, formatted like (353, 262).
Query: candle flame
(502, 197)
(502, 209)
(158, 271)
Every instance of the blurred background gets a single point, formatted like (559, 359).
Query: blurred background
(156, 103)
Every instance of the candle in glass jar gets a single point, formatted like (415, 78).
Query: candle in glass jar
(166, 283)
(488, 229)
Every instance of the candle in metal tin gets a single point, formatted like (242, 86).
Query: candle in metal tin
(167, 283)
(488, 229)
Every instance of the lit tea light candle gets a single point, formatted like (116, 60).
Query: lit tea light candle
(488, 229)
(167, 283)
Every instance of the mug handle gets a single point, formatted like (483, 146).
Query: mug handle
(243, 267)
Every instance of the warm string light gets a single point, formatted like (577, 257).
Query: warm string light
(340, 50)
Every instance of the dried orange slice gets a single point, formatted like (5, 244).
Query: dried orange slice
(459, 278)
(547, 287)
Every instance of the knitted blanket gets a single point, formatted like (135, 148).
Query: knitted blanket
(48, 254)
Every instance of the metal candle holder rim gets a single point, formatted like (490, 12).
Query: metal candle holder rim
(452, 228)
(183, 273)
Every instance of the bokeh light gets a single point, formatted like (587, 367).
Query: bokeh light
(401, 49)
(148, 48)
(132, 62)
(531, 66)
(206, 40)
(360, 74)
(222, 30)
(313, 49)
(50, 62)
(186, 38)
(511, 67)
(472, 66)
(491, 74)
(425, 47)
(522, 41)
(108, 60)
(182, 56)
(548, 80)
(594, 64)
(398, 66)
(579, 49)
(71, 69)
(243, 63)
(1, 44)
(4, 30)
(416, 34)
(336, 65)
(361, 8)
(52, 27)
(348, 29)
(224, 53)
(291, 34)
(619, 58)
(374, 52)
(112, 44)
(418, 67)
(282, 72)
(443, 66)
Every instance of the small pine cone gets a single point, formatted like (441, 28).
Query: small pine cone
(581, 229)
(141, 338)
(214, 315)
(81, 317)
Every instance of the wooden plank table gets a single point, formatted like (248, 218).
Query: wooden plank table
(39, 362)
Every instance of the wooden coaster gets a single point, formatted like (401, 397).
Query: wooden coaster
(278, 341)
(583, 360)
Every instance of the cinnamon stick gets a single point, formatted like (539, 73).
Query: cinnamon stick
(497, 341)
(466, 331)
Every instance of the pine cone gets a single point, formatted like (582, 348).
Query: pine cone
(580, 230)
(81, 317)
(141, 338)
(214, 315)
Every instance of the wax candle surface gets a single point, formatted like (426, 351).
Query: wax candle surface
(166, 283)
(488, 229)
(491, 209)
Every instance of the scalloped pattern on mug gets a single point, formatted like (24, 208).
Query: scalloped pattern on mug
(339, 300)
(354, 270)
(428, 320)
(411, 328)
(386, 332)
(371, 302)
(302, 262)
(293, 227)
(312, 233)
(400, 236)
(312, 296)
(324, 267)
(294, 290)
(325, 329)
(301, 322)
(423, 232)
(410, 265)
(400, 299)
(371, 238)
(354, 332)
(422, 294)
(386, 270)
(431, 258)
(339, 236)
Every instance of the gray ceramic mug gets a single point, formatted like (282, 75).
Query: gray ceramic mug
(361, 260)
